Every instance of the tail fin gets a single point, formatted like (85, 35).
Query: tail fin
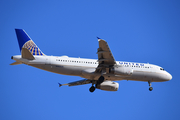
(26, 42)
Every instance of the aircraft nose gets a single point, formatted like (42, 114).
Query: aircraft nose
(169, 76)
(166, 76)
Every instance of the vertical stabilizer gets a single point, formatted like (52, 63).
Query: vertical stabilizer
(26, 42)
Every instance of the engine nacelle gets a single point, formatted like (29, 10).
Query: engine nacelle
(108, 86)
(124, 71)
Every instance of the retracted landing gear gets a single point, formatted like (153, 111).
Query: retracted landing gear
(150, 88)
(100, 80)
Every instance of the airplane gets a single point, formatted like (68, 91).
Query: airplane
(101, 72)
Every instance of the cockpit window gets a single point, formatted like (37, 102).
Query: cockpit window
(162, 69)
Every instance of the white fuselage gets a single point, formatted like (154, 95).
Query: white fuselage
(85, 68)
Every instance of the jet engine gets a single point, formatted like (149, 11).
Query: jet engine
(108, 86)
(124, 71)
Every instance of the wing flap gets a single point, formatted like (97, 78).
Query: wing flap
(105, 57)
(104, 53)
(80, 82)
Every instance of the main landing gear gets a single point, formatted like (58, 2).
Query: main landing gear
(150, 88)
(100, 80)
(92, 88)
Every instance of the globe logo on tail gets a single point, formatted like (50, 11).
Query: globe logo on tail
(32, 47)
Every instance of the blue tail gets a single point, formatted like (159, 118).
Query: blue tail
(26, 42)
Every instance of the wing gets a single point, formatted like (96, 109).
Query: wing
(105, 57)
(80, 82)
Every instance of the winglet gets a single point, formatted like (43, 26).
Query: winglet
(60, 84)
(98, 38)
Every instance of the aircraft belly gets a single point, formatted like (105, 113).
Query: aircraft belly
(85, 73)
(65, 70)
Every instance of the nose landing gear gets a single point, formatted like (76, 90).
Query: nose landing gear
(150, 88)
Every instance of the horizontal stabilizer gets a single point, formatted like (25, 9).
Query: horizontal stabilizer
(16, 63)
(26, 54)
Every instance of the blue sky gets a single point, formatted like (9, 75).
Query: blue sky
(136, 31)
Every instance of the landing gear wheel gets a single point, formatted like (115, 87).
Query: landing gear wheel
(151, 88)
(92, 89)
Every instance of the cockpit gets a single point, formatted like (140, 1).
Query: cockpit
(162, 69)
